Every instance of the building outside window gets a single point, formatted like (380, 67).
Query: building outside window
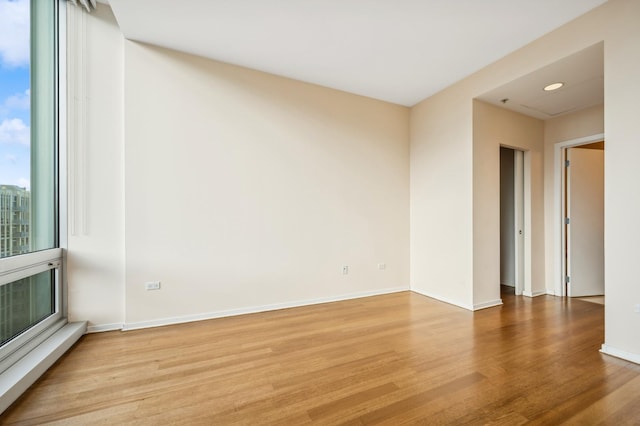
(15, 218)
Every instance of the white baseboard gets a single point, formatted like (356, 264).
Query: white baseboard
(628, 356)
(488, 304)
(444, 299)
(535, 293)
(255, 309)
(104, 327)
(475, 307)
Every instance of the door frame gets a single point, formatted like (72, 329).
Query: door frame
(559, 156)
(523, 271)
(519, 220)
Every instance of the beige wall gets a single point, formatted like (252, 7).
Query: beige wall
(192, 125)
(450, 112)
(441, 199)
(580, 124)
(246, 191)
(492, 127)
(586, 122)
(622, 198)
(95, 259)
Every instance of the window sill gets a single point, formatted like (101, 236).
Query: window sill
(16, 379)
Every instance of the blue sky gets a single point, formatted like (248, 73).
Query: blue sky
(14, 93)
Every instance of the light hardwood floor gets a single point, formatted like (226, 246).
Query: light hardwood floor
(395, 359)
(593, 299)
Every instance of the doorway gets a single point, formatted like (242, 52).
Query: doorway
(512, 220)
(583, 222)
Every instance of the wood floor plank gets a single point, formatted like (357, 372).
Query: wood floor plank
(395, 359)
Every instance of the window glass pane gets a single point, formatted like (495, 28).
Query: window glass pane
(15, 208)
(15, 123)
(24, 303)
(44, 118)
(27, 126)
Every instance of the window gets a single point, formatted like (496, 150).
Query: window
(31, 305)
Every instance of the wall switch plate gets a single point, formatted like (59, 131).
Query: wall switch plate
(152, 285)
(345, 270)
(382, 266)
(636, 308)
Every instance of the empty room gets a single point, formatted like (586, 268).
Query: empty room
(337, 212)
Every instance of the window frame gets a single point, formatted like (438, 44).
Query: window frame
(53, 259)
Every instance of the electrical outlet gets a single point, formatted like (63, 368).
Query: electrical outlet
(382, 266)
(152, 285)
(345, 270)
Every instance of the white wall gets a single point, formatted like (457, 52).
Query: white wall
(95, 257)
(246, 191)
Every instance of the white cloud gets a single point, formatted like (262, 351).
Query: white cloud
(24, 183)
(13, 130)
(11, 158)
(14, 33)
(19, 101)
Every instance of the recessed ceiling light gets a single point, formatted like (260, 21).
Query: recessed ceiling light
(553, 86)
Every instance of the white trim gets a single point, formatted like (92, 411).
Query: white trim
(519, 240)
(526, 274)
(255, 309)
(15, 349)
(488, 304)
(628, 356)
(77, 124)
(104, 327)
(28, 264)
(443, 299)
(17, 379)
(528, 224)
(558, 181)
(63, 190)
(535, 293)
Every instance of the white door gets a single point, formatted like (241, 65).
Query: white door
(585, 232)
(518, 195)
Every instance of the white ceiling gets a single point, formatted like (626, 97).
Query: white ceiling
(400, 51)
(582, 74)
